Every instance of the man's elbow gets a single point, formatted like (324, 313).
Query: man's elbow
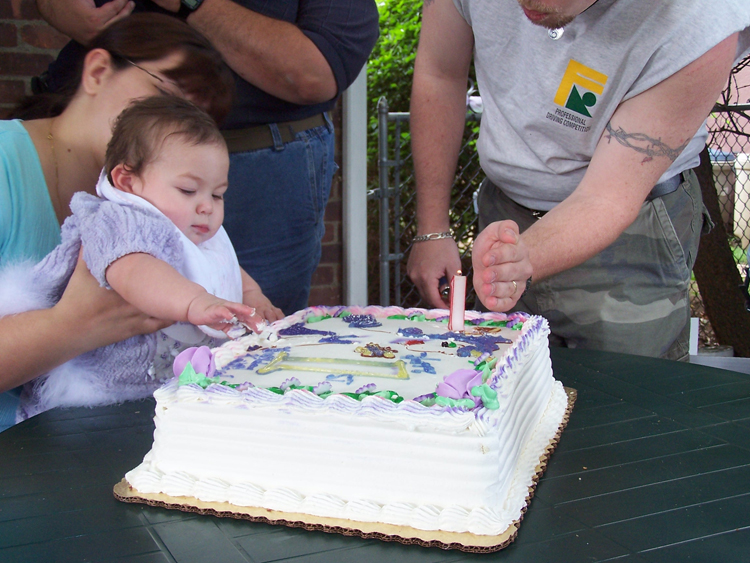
(314, 89)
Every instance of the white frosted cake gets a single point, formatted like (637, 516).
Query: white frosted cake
(365, 414)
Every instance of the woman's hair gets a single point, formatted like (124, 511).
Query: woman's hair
(142, 128)
(202, 74)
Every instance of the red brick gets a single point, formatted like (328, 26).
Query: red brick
(6, 10)
(11, 91)
(43, 36)
(324, 275)
(335, 187)
(24, 64)
(29, 10)
(332, 231)
(325, 296)
(333, 211)
(331, 254)
(8, 35)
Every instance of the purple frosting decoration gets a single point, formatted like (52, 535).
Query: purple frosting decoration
(410, 331)
(201, 359)
(300, 329)
(458, 384)
(361, 321)
(365, 388)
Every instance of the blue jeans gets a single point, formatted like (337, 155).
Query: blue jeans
(274, 212)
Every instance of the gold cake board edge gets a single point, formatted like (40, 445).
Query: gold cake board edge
(463, 541)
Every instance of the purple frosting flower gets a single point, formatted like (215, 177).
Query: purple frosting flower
(458, 384)
(201, 359)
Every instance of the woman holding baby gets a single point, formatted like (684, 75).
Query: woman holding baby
(58, 149)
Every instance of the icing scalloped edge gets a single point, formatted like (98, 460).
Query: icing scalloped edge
(478, 520)
(408, 412)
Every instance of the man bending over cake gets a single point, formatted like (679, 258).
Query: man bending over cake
(155, 237)
(594, 115)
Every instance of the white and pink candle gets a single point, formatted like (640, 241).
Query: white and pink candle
(457, 303)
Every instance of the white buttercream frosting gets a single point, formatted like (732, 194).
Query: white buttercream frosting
(370, 460)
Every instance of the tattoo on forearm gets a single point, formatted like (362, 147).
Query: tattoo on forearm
(642, 143)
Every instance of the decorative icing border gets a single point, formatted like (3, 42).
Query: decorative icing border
(441, 418)
(454, 518)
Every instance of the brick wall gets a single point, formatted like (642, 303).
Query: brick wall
(28, 45)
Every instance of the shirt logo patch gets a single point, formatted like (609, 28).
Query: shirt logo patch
(579, 88)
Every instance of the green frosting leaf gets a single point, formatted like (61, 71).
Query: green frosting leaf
(317, 318)
(448, 402)
(189, 375)
(397, 317)
(487, 394)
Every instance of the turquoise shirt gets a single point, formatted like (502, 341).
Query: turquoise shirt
(28, 225)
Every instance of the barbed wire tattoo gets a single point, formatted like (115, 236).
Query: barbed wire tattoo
(642, 143)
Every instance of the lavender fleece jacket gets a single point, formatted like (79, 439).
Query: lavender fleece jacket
(107, 231)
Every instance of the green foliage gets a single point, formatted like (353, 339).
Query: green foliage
(391, 65)
(389, 74)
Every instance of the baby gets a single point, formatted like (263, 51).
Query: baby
(155, 237)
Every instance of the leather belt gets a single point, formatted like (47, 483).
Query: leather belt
(659, 190)
(666, 187)
(261, 136)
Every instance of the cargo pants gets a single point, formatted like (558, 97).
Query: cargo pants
(633, 296)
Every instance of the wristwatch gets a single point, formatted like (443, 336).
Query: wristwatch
(187, 7)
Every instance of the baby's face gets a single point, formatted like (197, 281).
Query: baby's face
(187, 183)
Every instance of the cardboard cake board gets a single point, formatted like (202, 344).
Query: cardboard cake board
(463, 541)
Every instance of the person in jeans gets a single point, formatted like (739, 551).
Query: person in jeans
(291, 59)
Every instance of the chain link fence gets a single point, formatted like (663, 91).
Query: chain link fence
(395, 198)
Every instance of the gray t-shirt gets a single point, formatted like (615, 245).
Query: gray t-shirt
(547, 102)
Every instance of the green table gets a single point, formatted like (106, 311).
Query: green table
(654, 466)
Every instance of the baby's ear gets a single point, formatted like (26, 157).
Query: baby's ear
(123, 179)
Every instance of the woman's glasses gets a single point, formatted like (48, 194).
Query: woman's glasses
(157, 77)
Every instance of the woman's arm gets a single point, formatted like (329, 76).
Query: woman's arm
(86, 317)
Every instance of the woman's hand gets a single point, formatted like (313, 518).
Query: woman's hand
(102, 316)
(87, 316)
(501, 266)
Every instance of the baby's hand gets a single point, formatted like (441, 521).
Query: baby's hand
(207, 309)
(263, 306)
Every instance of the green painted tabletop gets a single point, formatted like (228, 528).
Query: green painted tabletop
(654, 466)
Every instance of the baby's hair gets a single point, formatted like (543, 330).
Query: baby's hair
(142, 128)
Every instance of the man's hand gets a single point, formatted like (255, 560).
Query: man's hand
(501, 266)
(81, 19)
(428, 262)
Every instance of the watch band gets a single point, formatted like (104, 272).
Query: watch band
(187, 7)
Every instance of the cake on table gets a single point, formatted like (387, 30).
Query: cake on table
(377, 421)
